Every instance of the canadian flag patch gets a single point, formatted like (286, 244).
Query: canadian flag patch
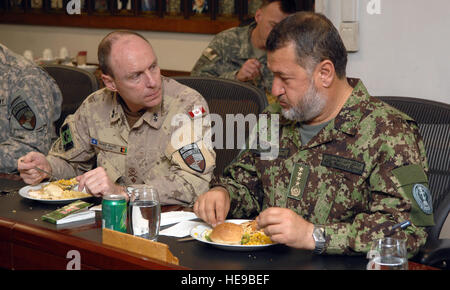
(196, 113)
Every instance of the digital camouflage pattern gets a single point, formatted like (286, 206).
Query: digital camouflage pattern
(30, 102)
(98, 133)
(226, 54)
(354, 177)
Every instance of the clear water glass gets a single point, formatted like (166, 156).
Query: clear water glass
(144, 211)
(388, 254)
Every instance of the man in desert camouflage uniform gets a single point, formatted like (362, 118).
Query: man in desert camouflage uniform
(239, 52)
(136, 130)
(30, 102)
(349, 166)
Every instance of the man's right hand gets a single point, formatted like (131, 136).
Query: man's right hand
(26, 165)
(249, 70)
(213, 206)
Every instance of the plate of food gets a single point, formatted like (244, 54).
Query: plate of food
(59, 191)
(234, 235)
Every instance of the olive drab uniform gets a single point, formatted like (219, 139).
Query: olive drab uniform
(226, 54)
(364, 172)
(30, 103)
(154, 151)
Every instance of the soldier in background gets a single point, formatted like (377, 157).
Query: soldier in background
(239, 52)
(129, 130)
(30, 103)
(349, 166)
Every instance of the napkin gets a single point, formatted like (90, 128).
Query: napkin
(173, 217)
(180, 230)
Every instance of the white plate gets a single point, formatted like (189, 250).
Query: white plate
(199, 232)
(23, 192)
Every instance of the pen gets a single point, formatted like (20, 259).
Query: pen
(403, 225)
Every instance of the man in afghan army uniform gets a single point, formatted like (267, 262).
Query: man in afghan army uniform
(339, 180)
(239, 53)
(30, 103)
(148, 129)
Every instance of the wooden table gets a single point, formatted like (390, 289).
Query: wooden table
(27, 242)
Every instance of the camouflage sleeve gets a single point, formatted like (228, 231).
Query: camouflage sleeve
(216, 60)
(242, 183)
(400, 164)
(33, 107)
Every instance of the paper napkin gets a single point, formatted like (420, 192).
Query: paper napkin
(173, 217)
(180, 230)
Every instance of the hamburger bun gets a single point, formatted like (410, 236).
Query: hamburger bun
(227, 233)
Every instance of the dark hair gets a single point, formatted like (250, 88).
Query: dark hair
(287, 6)
(315, 39)
(104, 48)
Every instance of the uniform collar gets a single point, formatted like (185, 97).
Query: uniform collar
(246, 51)
(153, 116)
(349, 117)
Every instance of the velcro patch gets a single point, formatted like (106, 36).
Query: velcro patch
(342, 163)
(422, 195)
(210, 53)
(414, 182)
(193, 157)
(23, 113)
(66, 137)
(109, 147)
(197, 113)
(297, 184)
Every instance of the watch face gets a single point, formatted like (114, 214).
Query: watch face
(319, 235)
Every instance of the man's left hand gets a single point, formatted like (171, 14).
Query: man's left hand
(284, 226)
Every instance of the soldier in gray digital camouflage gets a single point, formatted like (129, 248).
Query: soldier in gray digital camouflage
(239, 53)
(349, 168)
(30, 103)
(135, 130)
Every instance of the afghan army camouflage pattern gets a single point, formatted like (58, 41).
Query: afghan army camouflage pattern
(99, 133)
(226, 54)
(355, 177)
(30, 103)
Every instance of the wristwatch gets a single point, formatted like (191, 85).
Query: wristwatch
(319, 239)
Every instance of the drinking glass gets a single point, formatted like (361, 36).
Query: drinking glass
(388, 254)
(144, 211)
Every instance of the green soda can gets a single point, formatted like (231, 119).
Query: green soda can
(114, 212)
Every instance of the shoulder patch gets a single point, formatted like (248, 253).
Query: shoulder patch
(413, 180)
(23, 113)
(210, 53)
(422, 196)
(193, 157)
(66, 137)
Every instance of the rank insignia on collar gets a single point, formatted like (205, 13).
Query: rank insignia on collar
(193, 157)
(196, 113)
